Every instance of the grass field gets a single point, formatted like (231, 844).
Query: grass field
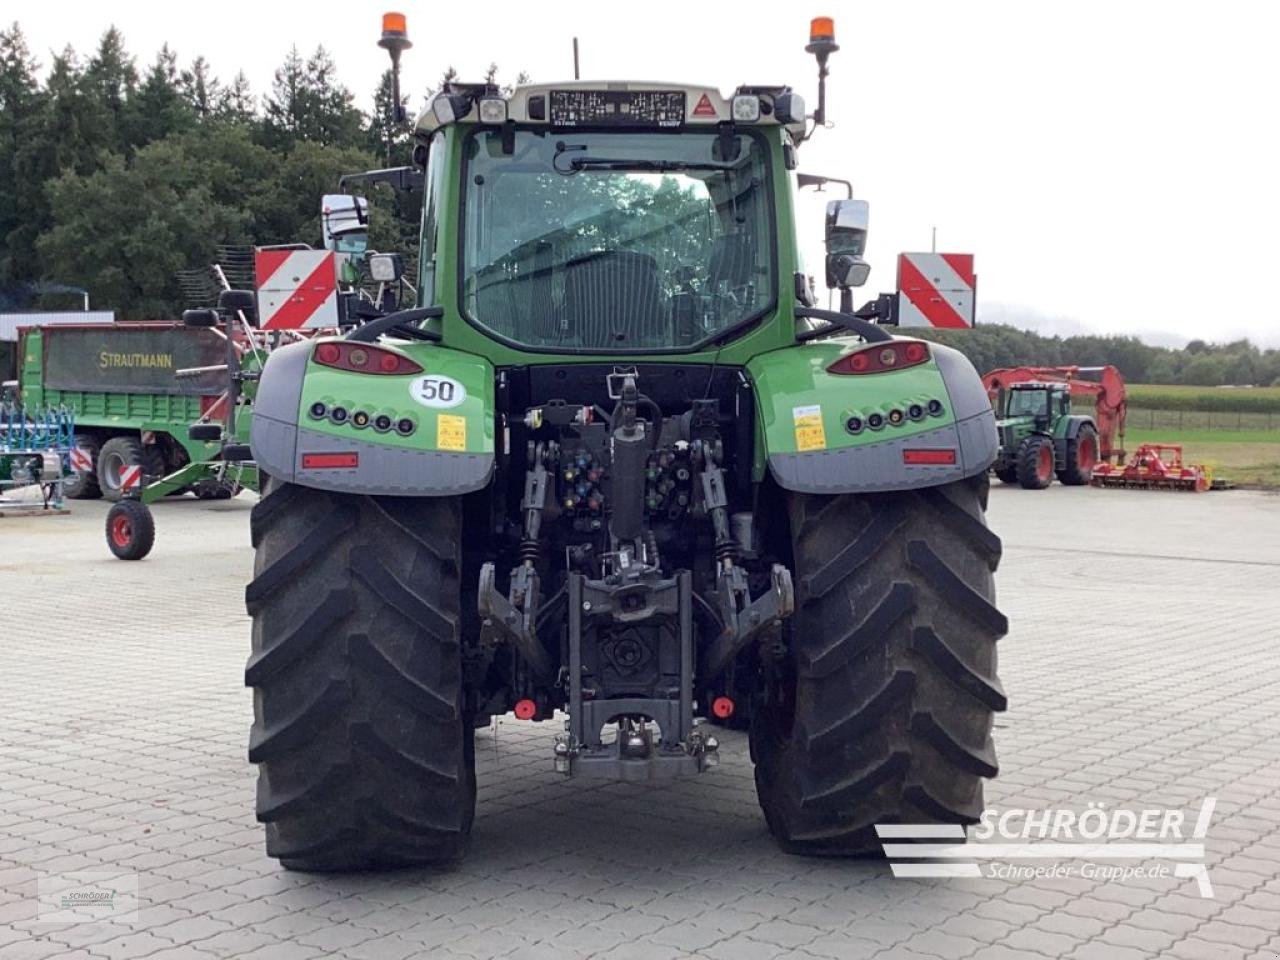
(1236, 432)
(1244, 457)
(1159, 396)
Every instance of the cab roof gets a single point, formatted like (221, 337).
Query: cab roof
(630, 104)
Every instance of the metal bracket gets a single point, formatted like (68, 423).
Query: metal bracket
(614, 381)
(500, 620)
(742, 627)
(633, 756)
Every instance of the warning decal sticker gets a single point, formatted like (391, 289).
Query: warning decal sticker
(451, 432)
(809, 432)
(704, 108)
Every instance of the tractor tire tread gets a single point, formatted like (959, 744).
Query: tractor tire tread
(891, 720)
(365, 754)
(1028, 469)
(1070, 475)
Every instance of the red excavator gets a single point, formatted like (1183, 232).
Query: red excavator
(1040, 433)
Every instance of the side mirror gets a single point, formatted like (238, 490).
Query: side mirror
(344, 221)
(846, 240)
(203, 317)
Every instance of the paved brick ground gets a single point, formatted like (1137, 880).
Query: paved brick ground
(1143, 668)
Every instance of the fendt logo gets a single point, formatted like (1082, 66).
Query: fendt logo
(1094, 844)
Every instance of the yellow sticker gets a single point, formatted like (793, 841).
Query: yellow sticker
(809, 432)
(451, 432)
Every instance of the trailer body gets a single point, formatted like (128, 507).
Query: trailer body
(119, 380)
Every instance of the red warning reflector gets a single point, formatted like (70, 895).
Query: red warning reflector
(526, 709)
(722, 708)
(330, 461)
(929, 457)
(704, 108)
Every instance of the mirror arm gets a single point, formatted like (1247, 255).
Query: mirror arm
(856, 322)
(817, 181)
(368, 332)
(404, 179)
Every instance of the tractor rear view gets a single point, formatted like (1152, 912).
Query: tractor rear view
(615, 464)
(1041, 436)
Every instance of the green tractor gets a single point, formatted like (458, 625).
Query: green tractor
(1040, 436)
(615, 471)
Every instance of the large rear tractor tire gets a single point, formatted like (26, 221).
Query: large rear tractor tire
(365, 757)
(84, 486)
(1082, 457)
(1035, 462)
(882, 709)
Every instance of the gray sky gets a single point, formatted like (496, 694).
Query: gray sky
(1113, 165)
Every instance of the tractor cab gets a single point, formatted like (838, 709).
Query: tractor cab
(1037, 401)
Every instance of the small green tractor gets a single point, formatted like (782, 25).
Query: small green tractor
(1039, 434)
(614, 470)
(1041, 437)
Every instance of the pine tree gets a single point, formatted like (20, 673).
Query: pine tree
(284, 106)
(159, 107)
(20, 104)
(237, 102)
(201, 88)
(110, 79)
(386, 137)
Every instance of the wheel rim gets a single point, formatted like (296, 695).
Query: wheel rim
(1087, 452)
(1044, 463)
(121, 531)
(112, 467)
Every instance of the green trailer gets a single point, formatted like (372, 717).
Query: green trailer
(132, 411)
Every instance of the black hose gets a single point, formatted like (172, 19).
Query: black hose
(368, 332)
(837, 321)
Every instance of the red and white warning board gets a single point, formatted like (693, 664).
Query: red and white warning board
(81, 460)
(130, 477)
(936, 289)
(297, 289)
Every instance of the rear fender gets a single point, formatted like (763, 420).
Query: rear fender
(449, 451)
(805, 415)
(1066, 431)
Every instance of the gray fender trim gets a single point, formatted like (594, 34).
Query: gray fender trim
(278, 444)
(878, 466)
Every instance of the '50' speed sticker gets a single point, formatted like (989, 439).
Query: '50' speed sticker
(434, 390)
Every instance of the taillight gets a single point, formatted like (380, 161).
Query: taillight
(362, 358)
(879, 357)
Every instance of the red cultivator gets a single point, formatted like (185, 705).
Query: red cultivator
(1155, 466)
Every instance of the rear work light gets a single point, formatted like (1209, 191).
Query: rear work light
(363, 358)
(879, 357)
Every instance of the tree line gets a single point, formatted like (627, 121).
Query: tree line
(990, 346)
(114, 178)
